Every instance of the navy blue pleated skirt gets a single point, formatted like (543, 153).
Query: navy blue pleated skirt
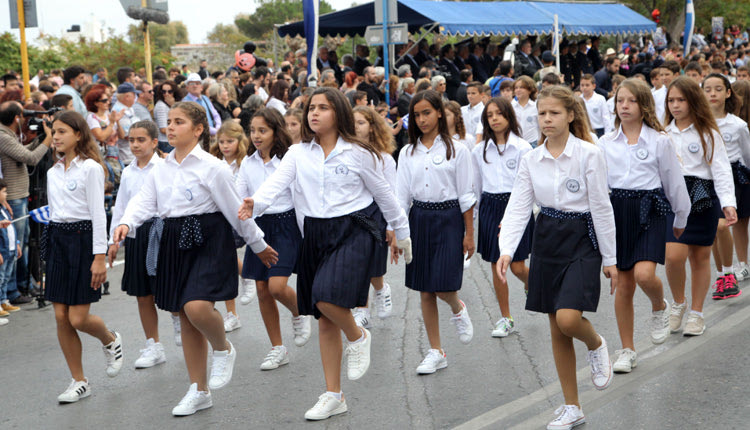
(634, 242)
(437, 247)
(69, 249)
(382, 252)
(282, 234)
(336, 260)
(701, 226)
(564, 267)
(741, 189)
(135, 279)
(207, 270)
(491, 211)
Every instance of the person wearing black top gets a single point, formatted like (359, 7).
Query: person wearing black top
(452, 79)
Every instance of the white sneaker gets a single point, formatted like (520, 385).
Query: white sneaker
(362, 317)
(193, 402)
(222, 367)
(601, 366)
(151, 355)
(231, 322)
(358, 356)
(626, 361)
(695, 325)
(302, 326)
(569, 417)
(177, 330)
(433, 361)
(277, 357)
(660, 324)
(248, 291)
(326, 407)
(3, 321)
(76, 391)
(113, 355)
(383, 302)
(675, 317)
(504, 327)
(742, 272)
(464, 328)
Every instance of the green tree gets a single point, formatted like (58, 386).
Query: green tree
(10, 56)
(270, 12)
(163, 36)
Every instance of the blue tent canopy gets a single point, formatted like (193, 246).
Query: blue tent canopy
(488, 18)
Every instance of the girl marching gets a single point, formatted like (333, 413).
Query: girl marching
(194, 195)
(335, 178)
(644, 176)
(708, 176)
(495, 165)
(434, 187)
(574, 236)
(270, 142)
(74, 244)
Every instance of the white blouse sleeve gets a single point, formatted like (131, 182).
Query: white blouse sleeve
(372, 177)
(143, 206)
(476, 164)
(518, 211)
(600, 206)
(278, 182)
(464, 176)
(721, 171)
(95, 202)
(403, 180)
(670, 173)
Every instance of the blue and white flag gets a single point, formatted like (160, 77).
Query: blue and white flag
(311, 15)
(687, 37)
(40, 215)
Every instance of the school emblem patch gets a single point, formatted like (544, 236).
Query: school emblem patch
(341, 169)
(642, 153)
(694, 147)
(572, 185)
(71, 185)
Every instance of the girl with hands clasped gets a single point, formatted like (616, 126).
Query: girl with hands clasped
(270, 142)
(335, 178)
(191, 247)
(136, 279)
(74, 244)
(708, 176)
(434, 187)
(574, 236)
(495, 165)
(646, 183)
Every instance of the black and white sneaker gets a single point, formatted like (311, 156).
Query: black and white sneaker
(76, 391)
(113, 355)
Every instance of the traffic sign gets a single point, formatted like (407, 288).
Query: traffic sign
(162, 5)
(29, 11)
(397, 34)
(392, 11)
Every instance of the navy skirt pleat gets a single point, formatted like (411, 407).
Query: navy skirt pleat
(741, 190)
(437, 248)
(701, 226)
(564, 267)
(336, 262)
(491, 213)
(135, 279)
(207, 272)
(634, 243)
(380, 260)
(283, 235)
(69, 258)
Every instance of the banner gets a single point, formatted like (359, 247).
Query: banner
(311, 15)
(687, 37)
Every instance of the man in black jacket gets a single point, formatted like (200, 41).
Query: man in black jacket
(452, 79)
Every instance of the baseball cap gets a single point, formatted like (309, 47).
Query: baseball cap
(548, 57)
(193, 77)
(127, 87)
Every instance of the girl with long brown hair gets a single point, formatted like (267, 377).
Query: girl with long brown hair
(708, 176)
(574, 236)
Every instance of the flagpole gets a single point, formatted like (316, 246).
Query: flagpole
(689, 27)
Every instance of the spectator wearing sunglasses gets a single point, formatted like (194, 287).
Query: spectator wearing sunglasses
(165, 95)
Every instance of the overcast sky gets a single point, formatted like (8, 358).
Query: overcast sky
(200, 16)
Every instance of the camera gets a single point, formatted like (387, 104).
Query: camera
(36, 123)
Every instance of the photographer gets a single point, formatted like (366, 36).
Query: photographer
(14, 157)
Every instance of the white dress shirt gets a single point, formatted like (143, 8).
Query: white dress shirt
(498, 173)
(468, 141)
(528, 120)
(277, 104)
(472, 116)
(575, 181)
(345, 181)
(736, 137)
(599, 116)
(649, 164)
(131, 182)
(389, 171)
(77, 194)
(687, 144)
(253, 173)
(428, 177)
(660, 100)
(200, 184)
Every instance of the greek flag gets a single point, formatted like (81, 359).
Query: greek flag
(687, 37)
(40, 215)
(310, 12)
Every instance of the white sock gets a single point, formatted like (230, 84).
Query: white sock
(728, 269)
(360, 340)
(336, 395)
(700, 314)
